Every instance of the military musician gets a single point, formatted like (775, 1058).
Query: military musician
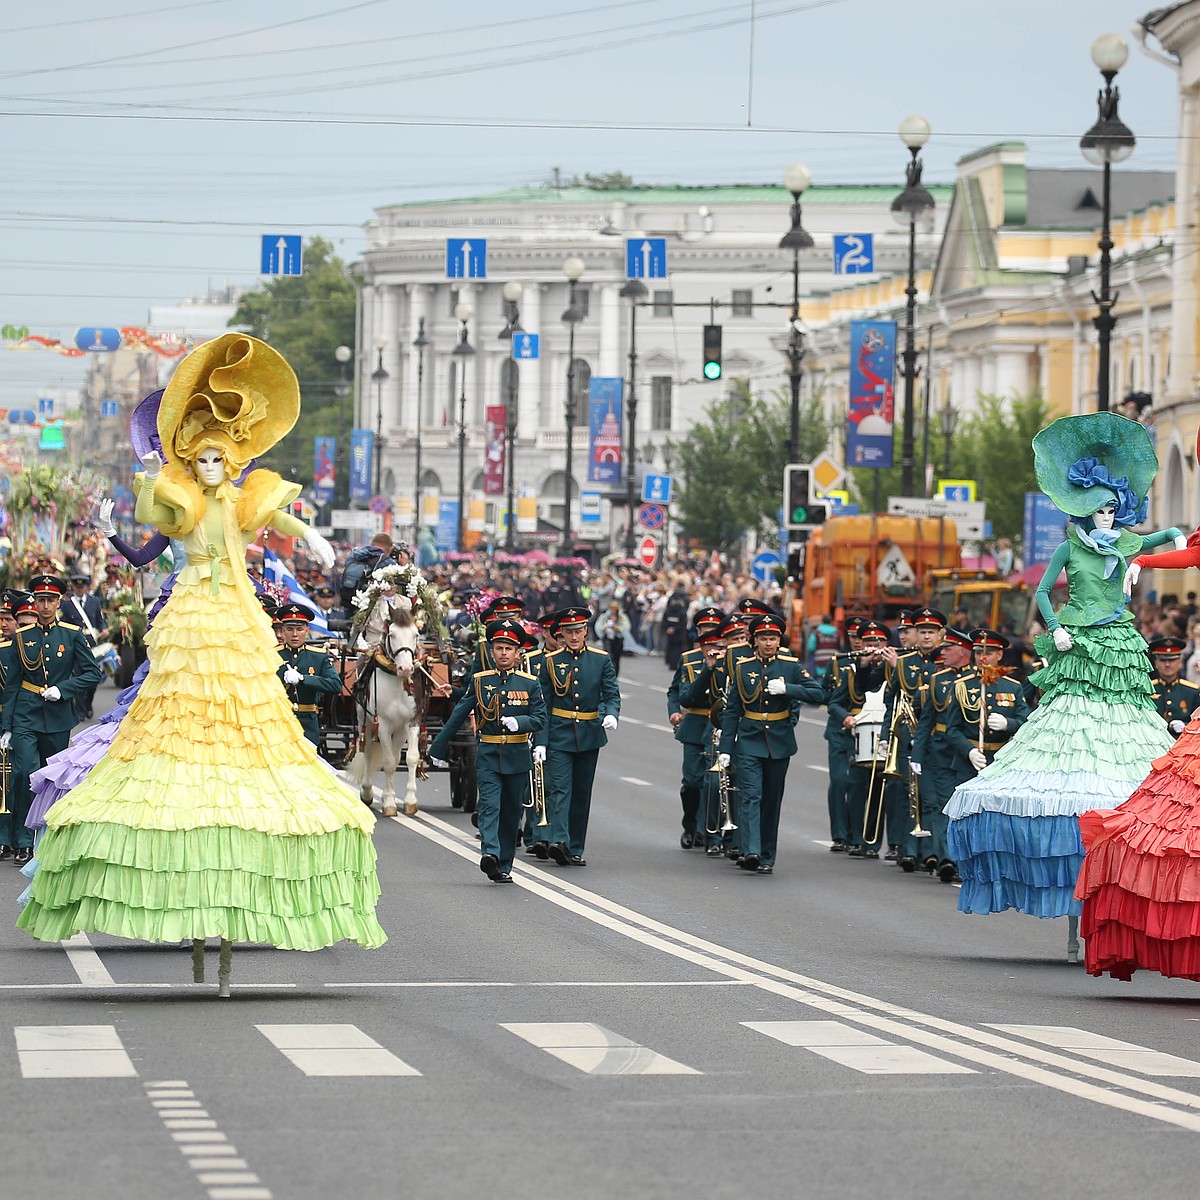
(857, 680)
(702, 698)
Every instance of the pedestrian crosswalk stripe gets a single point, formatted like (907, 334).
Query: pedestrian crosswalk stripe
(857, 1049)
(72, 1052)
(595, 1050)
(334, 1050)
(1106, 1050)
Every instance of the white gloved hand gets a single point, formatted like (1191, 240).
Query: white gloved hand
(292, 676)
(1131, 577)
(978, 758)
(104, 521)
(51, 693)
(609, 722)
(1062, 639)
(5, 740)
(1181, 542)
(1176, 726)
(776, 687)
(539, 754)
(723, 761)
(915, 767)
(509, 724)
(153, 464)
(437, 762)
(997, 722)
(322, 550)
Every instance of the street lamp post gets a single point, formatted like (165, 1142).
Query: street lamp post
(796, 179)
(464, 311)
(512, 324)
(341, 390)
(419, 344)
(913, 204)
(635, 292)
(380, 377)
(949, 418)
(572, 268)
(1108, 141)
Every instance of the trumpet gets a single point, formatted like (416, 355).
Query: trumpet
(537, 794)
(5, 779)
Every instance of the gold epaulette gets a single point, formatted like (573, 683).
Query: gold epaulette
(68, 625)
(481, 674)
(593, 650)
(526, 675)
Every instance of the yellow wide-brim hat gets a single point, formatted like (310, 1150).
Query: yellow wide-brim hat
(233, 392)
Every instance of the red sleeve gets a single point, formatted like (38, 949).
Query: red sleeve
(1176, 560)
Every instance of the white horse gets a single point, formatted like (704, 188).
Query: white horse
(390, 714)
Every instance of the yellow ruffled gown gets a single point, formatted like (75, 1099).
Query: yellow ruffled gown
(211, 815)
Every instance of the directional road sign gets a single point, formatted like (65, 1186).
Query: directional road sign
(646, 258)
(466, 258)
(648, 551)
(957, 489)
(764, 564)
(589, 507)
(282, 254)
(853, 253)
(652, 516)
(824, 475)
(46, 405)
(656, 489)
(968, 518)
(526, 347)
(379, 504)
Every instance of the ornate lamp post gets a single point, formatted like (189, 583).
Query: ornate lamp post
(341, 390)
(420, 342)
(380, 377)
(512, 324)
(463, 311)
(572, 268)
(635, 292)
(796, 179)
(949, 418)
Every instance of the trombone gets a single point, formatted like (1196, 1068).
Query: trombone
(725, 823)
(902, 714)
(537, 794)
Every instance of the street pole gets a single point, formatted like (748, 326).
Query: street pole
(341, 461)
(796, 179)
(512, 294)
(419, 343)
(572, 269)
(464, 311)
(380, 376)
(634, 291)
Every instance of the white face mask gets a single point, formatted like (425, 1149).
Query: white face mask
(210, 467)
(1104, 518)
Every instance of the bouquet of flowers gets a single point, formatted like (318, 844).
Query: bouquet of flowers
(126, 618)
(407, 581)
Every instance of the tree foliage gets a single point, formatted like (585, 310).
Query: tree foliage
(306, 317)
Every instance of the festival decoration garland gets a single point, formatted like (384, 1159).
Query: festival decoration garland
(407, 581)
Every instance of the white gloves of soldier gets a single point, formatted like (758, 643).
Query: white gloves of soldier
(509, 724)
(997, 722)
(978, 758)
(438, 762)
(51, 693)
(1181, 542)
(776, 687)
(1176, 726)
(539, 754)
(723, 761)
(5, 740)
(322, 550)
(1131, 577)
(292, 677)
(104, 521)
(915, 767)
(153, 464)
(609, 722)
(1062, 639)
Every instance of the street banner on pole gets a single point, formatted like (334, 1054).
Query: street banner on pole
(493, 461)
(527, 517)
(324, 468)
(446, 531)
(605, 395)
(1045, 527)
(362, 453)
(872, 393)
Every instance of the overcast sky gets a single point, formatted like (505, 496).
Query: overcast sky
(147, 147)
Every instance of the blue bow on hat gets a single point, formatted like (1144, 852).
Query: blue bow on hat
(1091, 472)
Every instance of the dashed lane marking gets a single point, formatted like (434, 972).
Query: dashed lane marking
(817, 767)
(334, 1050)
(72, 1052)
(1106, 1050)
(635, 781)
(595, 1050)
(857, 1049)
(86, 962)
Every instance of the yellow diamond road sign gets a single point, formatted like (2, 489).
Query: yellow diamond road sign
(826, 473)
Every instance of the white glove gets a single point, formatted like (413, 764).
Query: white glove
(1131, 577)
(915, 767)
(5, 740)
(509, 724)
(997, 722)
(978, 758)
(51, 693)
(153, 463)
(539, 754)
(104, 521)
(1176, 726)
(723, 761)
(292, 676)
(776, 687)
(437, 762)
(609, 722)
(322, 550)
(1181, 542)
(1062, 639)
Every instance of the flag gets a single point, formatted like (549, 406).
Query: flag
(276, 572)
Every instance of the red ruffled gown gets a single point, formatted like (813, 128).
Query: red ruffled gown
(1140, 881)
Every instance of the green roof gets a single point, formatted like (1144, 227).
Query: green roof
(737, 193)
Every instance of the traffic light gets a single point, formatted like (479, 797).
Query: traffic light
(712, 352)
(799, 512)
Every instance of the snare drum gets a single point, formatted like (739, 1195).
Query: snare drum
(866, 742)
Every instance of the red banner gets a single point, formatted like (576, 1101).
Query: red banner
(493, 462)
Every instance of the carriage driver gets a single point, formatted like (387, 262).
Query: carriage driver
(306, 672)
(508, 707)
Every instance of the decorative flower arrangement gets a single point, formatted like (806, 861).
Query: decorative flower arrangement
(409, 582)
(579, 563)
(479, 602)
(44, 500)
(277, 591)
(127, 618)
(453, 556)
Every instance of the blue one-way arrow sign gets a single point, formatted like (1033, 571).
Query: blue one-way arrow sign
(525, 346)
(853, 253)
(646, 258)
(282, 254)
(466, 258)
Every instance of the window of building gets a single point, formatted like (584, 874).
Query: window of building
(660, 402)
(581, 379)
(742, 302)
(664, 304)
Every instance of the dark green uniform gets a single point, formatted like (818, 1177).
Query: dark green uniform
(1003, 696)
(531, 664)
(502, 760)
(910, 678)
(580, 691)
(41, 656)
(1175, 701)
(7, 826)
(932, 749)
(694, 733)
(851, 683)
(320, 679)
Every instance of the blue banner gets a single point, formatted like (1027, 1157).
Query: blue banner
(872, 394)
(446, 531)
(605, 395)
(324, 468)
(362, 454)
(1045, 528)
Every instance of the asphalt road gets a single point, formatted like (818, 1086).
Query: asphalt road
(655, 1024)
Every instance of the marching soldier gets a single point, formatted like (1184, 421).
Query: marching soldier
(906, 633)
(501, 606)
(306, 671)
(8, 628)
(48, 666)
(509, 707)
(699, 697)
(581, 692)
(840, 737)
(762, 706)
(1173, 696)
(860, 676)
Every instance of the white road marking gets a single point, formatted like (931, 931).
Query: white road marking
(651, 687)
(857, 1049)
(819, 842)
(1106, 1050)
(553, 983)
(595, 1050)
(72, 1052)
(635, 781)
(817, 767)
(91, 971)
(329, 1050)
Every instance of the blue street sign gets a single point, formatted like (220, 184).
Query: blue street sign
(652, 516)
(282, 254)
(445, 532)
(109, 408)
(589, 508)
(1045, 528)
(466, 258)
(26, 416)
(656, 489)
(89, 337)
(853, 253)
(526, 347)
(646, 258)
(764, 564)
(45, 405)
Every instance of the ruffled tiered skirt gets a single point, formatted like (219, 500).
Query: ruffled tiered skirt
(1014, 828)
(210, 815)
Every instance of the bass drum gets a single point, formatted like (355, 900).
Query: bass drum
(866, 742)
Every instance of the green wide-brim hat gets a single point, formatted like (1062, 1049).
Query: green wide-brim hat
(1123, 446)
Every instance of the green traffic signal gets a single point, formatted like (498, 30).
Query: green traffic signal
(712, 352)
(712, 370)
(799, 516)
